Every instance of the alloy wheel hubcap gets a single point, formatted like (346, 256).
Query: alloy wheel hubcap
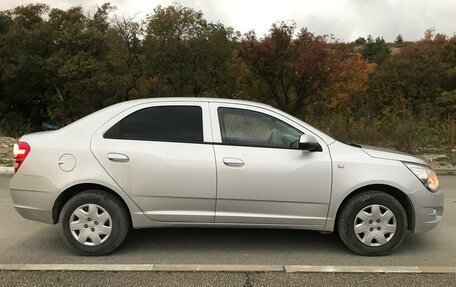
(375, 225)
(90, 224)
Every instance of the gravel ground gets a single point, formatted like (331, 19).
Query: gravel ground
(6, 150)
(279, 279)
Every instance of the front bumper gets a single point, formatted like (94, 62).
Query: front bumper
(428, 209)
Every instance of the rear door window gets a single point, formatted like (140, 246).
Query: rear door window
(164, 123)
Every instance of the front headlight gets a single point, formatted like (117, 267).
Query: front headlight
(425, 174)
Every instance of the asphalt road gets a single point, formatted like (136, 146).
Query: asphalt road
(24, 241)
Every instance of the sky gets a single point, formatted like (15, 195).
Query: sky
(345, 19)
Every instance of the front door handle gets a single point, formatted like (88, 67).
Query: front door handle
(231, 161)
(118, 157)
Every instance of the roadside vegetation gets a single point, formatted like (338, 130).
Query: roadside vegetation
(57, 66)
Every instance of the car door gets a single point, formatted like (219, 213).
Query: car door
(262, 176)
(158, 154)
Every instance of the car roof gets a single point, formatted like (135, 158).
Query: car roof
(194, 99)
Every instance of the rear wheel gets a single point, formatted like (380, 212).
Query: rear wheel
(372, 223)
(94, 223)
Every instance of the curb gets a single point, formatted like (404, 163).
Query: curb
(445, 171)
(227, 268)
(6, 170)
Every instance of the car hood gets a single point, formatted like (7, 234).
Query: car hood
(378, 152)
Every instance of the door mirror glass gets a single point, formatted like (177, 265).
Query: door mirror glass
(309, 143)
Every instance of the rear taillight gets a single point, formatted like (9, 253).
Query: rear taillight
(20, 150)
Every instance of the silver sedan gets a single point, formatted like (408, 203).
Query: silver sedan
(195, 162)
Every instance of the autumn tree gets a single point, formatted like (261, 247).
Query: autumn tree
(57, 66)
(293, 65)
(346, 93)
(415, 76)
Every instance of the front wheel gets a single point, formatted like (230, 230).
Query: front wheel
(94, 223)
(372, 223)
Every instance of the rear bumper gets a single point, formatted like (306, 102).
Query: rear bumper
(31, 213)
(33, 197)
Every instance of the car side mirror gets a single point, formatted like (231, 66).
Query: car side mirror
(309, 143)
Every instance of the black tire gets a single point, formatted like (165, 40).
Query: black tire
(349, 211)
(119, 224)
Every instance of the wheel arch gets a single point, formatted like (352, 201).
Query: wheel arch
(398, 194)
(78, 188)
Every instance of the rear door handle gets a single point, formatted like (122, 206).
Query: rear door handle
(231, 161)
(118, 157)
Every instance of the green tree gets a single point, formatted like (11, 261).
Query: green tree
(399, 39)
(126, 56)
(375, 51)
(448, 55)
(84, 79)
(447, 99)
(26, 42)
(447, 104)
(360, 41)
(185, 54)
